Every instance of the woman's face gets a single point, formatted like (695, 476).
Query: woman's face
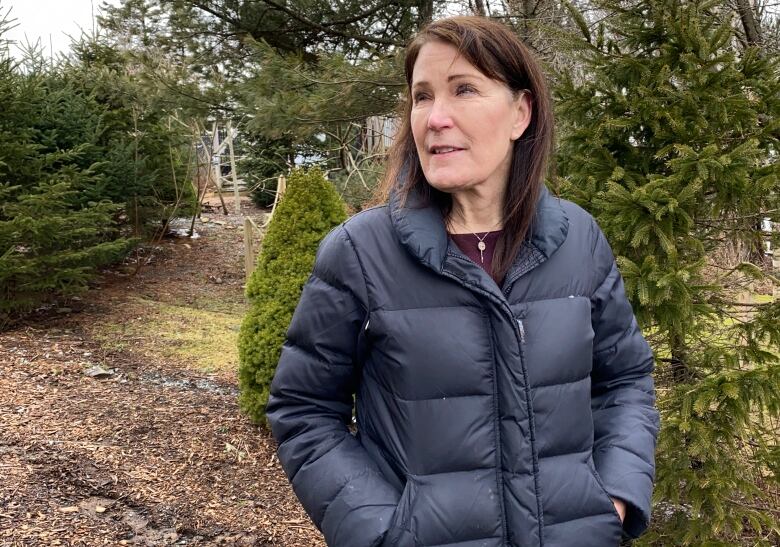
(463, 123)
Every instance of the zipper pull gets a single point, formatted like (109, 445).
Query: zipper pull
(521, 330)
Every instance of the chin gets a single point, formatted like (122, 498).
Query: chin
(446, 183)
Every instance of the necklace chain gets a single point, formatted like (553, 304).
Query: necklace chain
(481, 241)
(481, 246)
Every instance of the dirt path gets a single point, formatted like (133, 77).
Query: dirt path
(152, 449)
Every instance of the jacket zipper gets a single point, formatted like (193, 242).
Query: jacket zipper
(497, 428)
(497, 433)
(496, 425)
(532, 430)
(521, 330)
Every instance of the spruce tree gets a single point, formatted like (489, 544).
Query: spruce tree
(51, 240)
(671, 141)
(82, 146)
(309, 210)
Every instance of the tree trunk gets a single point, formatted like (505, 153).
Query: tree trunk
(681, 374)
(426, 12)
(748, 17)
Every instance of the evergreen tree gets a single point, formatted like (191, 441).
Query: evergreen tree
(309, 210)
(47, 248)
(81, 148)
(51, 241)
(672, 140)
(302, 74)
(142, 155)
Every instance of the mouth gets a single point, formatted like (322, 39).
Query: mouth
(442, 150)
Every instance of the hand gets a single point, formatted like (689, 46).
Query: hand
(620, 507)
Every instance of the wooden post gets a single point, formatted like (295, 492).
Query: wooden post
(233, 166)
(249, 251)
(216, 151)
(281, 188)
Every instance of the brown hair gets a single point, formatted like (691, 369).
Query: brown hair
(499, 54)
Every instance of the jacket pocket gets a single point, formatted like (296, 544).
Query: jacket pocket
(605, 494)
(399, 533)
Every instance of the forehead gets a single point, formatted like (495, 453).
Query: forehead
(439, 60)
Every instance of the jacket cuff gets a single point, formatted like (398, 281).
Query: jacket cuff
(350, 522)
(617, 469)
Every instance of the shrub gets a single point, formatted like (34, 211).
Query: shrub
(309, 210)
(264, 192)
(46, 248)
(52, 237)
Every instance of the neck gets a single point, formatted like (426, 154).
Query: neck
(476, 212)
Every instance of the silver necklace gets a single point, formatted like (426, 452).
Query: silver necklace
(481, 241)
(481, 246)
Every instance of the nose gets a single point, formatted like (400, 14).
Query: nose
(439, 116)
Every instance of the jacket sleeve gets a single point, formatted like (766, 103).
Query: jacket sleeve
(623, 396)
(311, 399)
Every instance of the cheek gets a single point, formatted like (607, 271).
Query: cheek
(418, 129)
(494, 132)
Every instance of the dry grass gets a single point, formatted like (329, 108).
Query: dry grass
(203, 338)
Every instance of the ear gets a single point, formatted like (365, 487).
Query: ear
(523, 105)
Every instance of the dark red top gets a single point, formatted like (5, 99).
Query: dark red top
(468, 243)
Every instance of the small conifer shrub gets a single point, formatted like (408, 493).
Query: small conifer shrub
(309, 210)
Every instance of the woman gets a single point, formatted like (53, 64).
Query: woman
(503, 389)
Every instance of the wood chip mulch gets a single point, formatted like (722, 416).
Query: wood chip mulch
(141, 453)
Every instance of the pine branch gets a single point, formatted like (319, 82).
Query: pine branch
(362, 39)
(349, 81)
(754, 507)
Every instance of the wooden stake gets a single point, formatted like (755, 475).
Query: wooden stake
(233, 166)
(215, 151)
(249, 250)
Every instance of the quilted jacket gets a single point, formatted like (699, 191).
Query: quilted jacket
(485, 415)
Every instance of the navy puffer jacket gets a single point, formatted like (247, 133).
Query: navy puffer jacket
(486, 415)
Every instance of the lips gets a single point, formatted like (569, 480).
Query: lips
(443, 149)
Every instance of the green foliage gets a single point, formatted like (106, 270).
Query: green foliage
(671, 141)
(291, 97)
(309, 210)
(83, 150)
(52, 236)
(141, 151)
(213, 33)
(47, 247)
(304, 73)
(264, 160)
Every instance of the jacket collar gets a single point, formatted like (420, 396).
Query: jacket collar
(420, 228)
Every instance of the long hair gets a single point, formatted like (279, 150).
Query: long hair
(499, 54)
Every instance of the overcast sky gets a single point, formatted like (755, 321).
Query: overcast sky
(49, 20)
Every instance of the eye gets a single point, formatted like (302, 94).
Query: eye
(465, 89)
(419, 96)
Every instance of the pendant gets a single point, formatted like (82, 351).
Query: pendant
(481, 245)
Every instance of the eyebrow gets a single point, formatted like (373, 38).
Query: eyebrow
(450, 78)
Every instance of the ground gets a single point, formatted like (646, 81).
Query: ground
(119, 422)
